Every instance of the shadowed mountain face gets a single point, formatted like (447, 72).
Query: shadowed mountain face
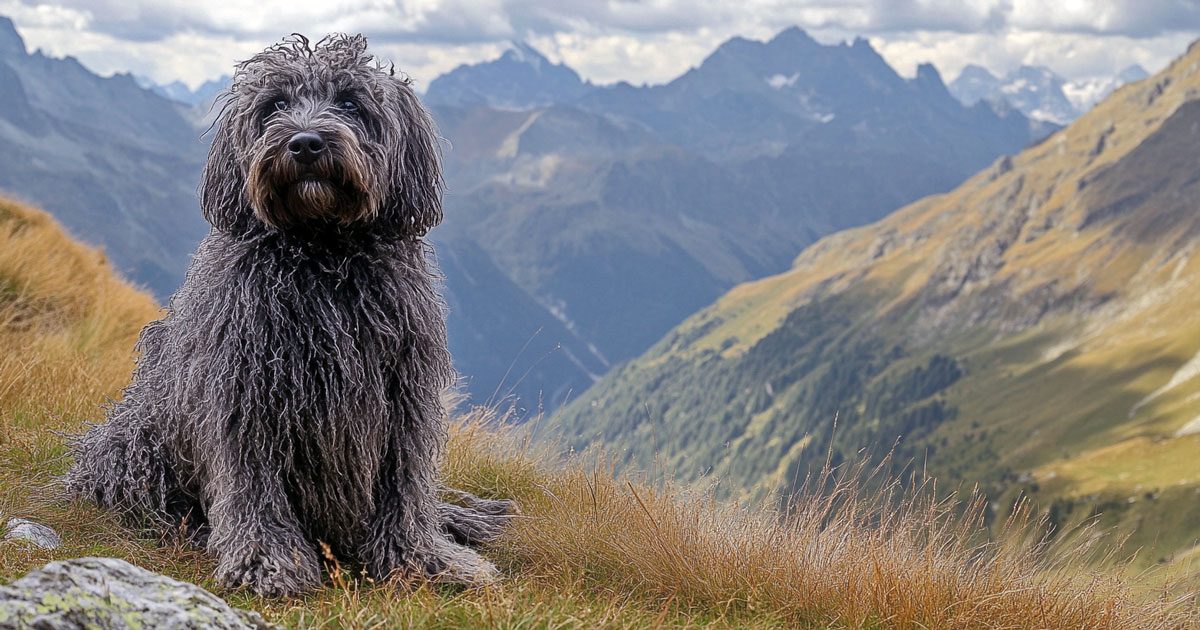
(621, 210)
(116, 164)
(503, 341)
(1033, 330)
(520, 79)
(582, 222)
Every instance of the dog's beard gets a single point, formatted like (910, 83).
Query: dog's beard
(312, 197)
(334, 189)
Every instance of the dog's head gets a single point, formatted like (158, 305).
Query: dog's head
(321, 135)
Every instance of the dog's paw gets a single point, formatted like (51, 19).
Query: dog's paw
(445, 562)
(475, 526)
(458, 565)
(472, 520)
(493, 507)
(271, 572)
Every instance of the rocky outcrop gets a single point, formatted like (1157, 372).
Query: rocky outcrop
(111, 594)
(24, 530)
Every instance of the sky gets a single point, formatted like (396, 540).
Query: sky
(641, 41)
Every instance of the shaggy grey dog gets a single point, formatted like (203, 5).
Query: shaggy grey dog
(291, 396)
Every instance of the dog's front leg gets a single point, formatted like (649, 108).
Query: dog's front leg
(255, 534)
(408, 538)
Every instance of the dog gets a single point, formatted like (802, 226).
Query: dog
(292, 394)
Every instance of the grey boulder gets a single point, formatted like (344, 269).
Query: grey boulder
(111, 594)
(34, 533)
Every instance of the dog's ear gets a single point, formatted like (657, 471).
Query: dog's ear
(414, 201)
(223, 183)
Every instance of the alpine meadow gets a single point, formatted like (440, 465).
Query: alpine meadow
(592, 549)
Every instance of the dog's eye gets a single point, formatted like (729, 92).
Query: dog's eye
(348, 106)
(281, 105)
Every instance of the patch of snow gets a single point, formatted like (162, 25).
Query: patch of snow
(1185, 373)
(778, 81)
(1052, 353)
(596, 353)
(1017, 86)
(531, 172)
(558, 309)
(1048, 116)
(579, 364)
(525, 54)
(508, 149)
(1085, 93)
(1190, 428)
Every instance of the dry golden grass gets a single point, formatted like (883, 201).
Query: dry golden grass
(847, 557)
(67, 322)
(590, 550)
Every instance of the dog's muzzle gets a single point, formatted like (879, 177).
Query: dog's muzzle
(310, 172)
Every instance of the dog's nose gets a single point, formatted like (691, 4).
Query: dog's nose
(306, 147)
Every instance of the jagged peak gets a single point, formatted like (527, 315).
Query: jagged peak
(861, 47)
(10, 40)
(975, 71)
(524, 52)
(735, 42)
(929, 80)
(792, 34)
(927, 71)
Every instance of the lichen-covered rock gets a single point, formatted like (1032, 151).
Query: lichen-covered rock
(111, 594)
(31, 532)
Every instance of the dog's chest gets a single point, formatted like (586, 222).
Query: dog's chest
(320, 349)
(338, 339)
(333, 356)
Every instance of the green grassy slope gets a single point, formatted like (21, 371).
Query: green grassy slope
(1033, 330)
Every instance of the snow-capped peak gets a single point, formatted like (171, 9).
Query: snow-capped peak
(779, 81)
(522, 52)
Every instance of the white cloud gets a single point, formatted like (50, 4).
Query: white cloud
(1076, 56)
(609, 40)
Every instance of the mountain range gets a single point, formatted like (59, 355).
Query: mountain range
(178, 91)
(620, 210)
(521, 78)
(1038, 92)
(582, 221)
(1035, 331)
(114, 162)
